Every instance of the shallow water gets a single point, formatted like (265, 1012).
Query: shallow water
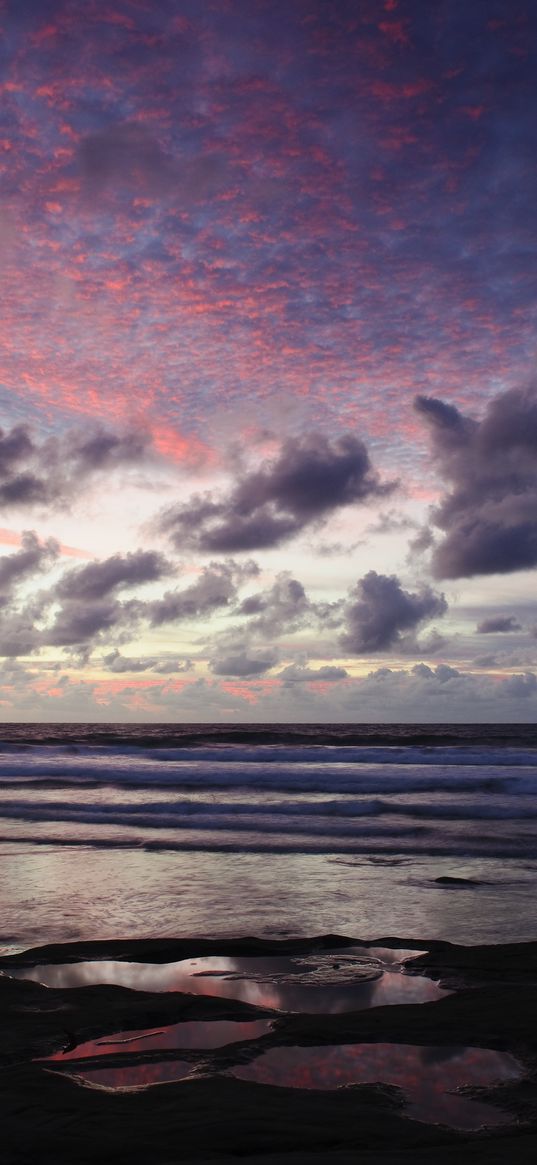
(129, 830)
(190, 1034)
(330, 983)
(64, 894)
(136, 1075)
(426, 1074)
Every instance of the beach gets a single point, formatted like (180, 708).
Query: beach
(273, 830)
(165, 993)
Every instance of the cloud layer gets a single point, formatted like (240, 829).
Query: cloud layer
(246, 251)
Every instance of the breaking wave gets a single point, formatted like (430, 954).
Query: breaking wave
(246, 796)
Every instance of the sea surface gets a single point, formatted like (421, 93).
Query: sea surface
(129, 831)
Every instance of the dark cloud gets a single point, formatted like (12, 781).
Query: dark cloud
(20, 482)
(253, 605)
(89, 606)
(53, 470)
(79, 623)
(283, 607)
(489, 517)
(103, 449)
(14, 447)
(86, 609)
(19, 634)
(98, 579)
(244, 663)
(447, 421)
(498, 623)
(380, 613)
(33, 557)
(216, 587)
(309, 479)
(118, 663)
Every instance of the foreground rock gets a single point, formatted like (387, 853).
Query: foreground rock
(48, 1117)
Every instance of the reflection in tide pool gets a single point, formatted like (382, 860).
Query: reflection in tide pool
(136, 1075)
(329, 982)
(191, 1034)
(426, 1074)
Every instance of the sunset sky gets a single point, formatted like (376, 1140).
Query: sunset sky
(267, 360)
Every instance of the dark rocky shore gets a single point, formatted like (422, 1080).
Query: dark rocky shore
(50, 1116)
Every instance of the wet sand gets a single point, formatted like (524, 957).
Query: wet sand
(52, 1114)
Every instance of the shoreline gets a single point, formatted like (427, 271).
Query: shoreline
(215, 1116)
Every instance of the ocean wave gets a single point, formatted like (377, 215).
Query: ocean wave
(270, 798)
(75, 760)
(416, 845)
(105, 815)
(299, 778)
(286, 814)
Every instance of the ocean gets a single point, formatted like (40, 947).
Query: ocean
(129, 831)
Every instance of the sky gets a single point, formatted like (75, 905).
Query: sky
(268, 407)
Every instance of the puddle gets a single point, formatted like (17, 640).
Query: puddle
(426, 1074)
(327, 982)
(136, 1076)
(192, 1034)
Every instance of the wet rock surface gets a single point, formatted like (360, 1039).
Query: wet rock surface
(51, 1116)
